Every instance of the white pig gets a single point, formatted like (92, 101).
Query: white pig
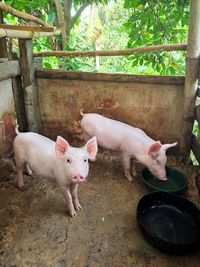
(68, 165)
(129, 141)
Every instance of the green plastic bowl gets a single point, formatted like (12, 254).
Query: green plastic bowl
(176, 182)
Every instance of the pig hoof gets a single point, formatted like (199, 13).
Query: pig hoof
(134, 173)
(130, 179)
(21, 187)
(72, 213)
(77, 206)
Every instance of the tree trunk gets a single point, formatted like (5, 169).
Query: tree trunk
(67, 16)
(61, 22)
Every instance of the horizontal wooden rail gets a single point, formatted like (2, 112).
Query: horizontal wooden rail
(139, 50)
(88, 76)
(9, 69)
(26, 34)
(196, 147)
(27, 28)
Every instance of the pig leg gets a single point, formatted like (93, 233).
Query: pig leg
(68, 197)
(134, 173)
(28, 169)
(74, 188)
(20, 169)
(126, 161)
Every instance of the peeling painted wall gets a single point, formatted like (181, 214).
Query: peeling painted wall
(7, 117)
(155, 108)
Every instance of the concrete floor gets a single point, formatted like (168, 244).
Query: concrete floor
(35, 229)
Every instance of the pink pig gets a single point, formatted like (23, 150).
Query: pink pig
(58, 160)
(129, 141)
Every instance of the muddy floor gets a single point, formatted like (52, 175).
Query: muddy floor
(35, 229)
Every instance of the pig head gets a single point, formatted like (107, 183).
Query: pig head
(131, 142)
(156, 159)
(57, 160)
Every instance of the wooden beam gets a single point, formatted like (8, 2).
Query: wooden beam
(197, 113)
(20, 14)
(9, 69)
(191, 78)
(19, 99)
(87, 76)
(26, 34)
(139, 50)
(27, 28)
(196, 147)
(29, 84)
(2, 33)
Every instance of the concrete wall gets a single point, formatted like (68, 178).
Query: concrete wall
(153, 104)
(7, 117)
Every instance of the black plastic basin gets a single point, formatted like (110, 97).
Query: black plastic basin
(169, 222)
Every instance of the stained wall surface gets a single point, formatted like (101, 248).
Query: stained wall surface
(155, 106)
(7, 117)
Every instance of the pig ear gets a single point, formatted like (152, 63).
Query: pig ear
(154, 147)
(166, 146)
(61, 147)
(91, 148)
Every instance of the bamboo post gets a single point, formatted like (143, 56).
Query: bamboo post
(191, 78)
(29, 84)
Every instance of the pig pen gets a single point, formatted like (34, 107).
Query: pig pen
(35, 227)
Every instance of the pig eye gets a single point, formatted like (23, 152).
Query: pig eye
(69, 160)
(158, 161)
(85, 160)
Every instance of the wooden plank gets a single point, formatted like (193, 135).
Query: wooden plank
(196, 147)
(197, 113)
(139, 50)
(18, 94)
(2, 33)
(26, 61)
(2, 60)
(9, 69)
(77, 75)
(27, 28)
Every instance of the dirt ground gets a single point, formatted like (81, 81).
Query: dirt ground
(35, 229)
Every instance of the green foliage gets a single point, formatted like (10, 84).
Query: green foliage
(126, 24)
(153, 23)
(39, 9)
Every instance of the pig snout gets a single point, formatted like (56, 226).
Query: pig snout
(78, 178)
(161, 175)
